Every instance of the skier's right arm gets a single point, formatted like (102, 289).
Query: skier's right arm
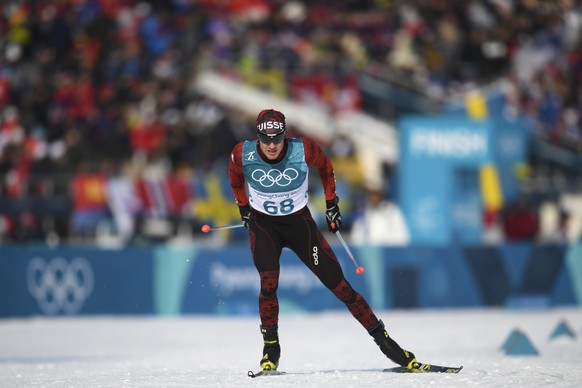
(237, 183)
(237, 177)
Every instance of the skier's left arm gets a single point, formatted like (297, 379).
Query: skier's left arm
(316, 157)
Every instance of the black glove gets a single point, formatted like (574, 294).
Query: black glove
(245, 214)
(333, 215)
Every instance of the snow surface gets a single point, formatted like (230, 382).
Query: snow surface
(320, 350)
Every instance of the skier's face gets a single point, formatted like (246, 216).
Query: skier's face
(271, 150)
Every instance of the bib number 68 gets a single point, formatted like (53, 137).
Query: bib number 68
(284, 207)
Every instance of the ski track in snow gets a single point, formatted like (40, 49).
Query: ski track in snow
(328, 349)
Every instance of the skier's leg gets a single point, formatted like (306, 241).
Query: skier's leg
(266, 252)
(321, 259)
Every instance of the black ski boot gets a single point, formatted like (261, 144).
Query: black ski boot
(271, 348)
(391, 349)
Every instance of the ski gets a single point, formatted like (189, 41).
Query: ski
(425, 368)
(265, 372)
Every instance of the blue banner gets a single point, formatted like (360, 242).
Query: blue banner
(228, 283)
(72, 281)
(202, 280)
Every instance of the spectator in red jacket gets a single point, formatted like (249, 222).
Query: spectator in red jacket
(520, 221)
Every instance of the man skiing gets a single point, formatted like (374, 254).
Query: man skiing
(275, 170)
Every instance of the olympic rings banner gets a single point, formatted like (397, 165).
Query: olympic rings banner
(165, 280)
(72, 281)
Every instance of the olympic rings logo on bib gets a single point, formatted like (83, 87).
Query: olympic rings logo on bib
(269, 179)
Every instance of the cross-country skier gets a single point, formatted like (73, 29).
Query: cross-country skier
(275, 170)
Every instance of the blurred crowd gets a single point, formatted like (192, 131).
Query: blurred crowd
(99, 118)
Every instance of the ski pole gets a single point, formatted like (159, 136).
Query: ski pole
(359, 268)
(207, 228)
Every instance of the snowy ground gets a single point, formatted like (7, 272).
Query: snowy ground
(322, 350)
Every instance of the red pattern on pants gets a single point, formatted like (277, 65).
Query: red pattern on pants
(356, 304)
(268, 301)
(299, 232)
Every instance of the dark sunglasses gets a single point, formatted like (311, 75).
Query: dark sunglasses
(271, 138)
